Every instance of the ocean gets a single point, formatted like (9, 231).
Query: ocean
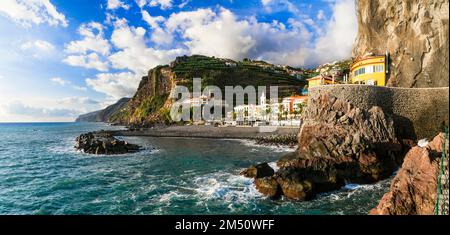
(41, 173)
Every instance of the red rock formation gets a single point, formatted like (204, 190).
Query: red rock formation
(413, 190)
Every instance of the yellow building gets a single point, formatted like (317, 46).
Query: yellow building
(370, 70)
(320, 80)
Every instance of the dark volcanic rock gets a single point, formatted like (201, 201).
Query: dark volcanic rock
(258, 171)
(337, 143)
(103, 143)
(414, 189)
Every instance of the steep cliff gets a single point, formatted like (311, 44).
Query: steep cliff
(104, 115)
(147, 105)
(413, 32)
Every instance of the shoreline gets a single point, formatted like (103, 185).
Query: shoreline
(212, 132)
(269, 136)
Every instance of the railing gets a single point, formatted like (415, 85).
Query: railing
(441, 206)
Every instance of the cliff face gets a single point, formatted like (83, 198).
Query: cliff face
(105, 114)
(414, 32)
(147, 105)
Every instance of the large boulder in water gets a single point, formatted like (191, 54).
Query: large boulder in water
(414, 189)
(258, 171)
(103, 143)
(338, 143)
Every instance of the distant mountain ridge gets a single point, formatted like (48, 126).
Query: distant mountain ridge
(104, 115)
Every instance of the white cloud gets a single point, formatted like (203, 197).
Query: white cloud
(93, 40)
(133, 53)
(79, 88)
(37, 48)
(60, 81)
(159, 35)
(37, 109)
(340, 33)
(212, 34)
(32, 12)
(163, 4)
(321, 15)
(86, 52)
(90, 61)
(279, 5)
(63, 82)
(115, 4)
(184, 3)
(115, 85)
(19, 108)
(78, 100)
(152, 21)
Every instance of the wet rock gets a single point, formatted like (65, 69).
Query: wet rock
(268, 186)
(258, 171)
(413, 190)
(103, 143)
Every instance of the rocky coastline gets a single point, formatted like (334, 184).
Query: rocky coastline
(338, 143)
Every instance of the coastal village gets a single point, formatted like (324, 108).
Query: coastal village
(370, 69)
(382, 114)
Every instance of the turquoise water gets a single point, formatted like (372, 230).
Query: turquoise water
(41, 173)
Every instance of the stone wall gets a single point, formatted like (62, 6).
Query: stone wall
(418, 112)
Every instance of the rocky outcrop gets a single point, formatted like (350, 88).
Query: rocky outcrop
(337, 143)
(103, 143)
(104, 115)
(413, 190)
(258, 171)
(414, 33)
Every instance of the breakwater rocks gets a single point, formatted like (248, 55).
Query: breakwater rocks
(338, 143)
(286, 139)
(414, 189)
(103, 143)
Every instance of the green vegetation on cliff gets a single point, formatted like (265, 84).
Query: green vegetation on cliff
(223, 72)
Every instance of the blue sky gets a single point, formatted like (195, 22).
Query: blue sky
(60, 58)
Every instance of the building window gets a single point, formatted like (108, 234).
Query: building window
(379, 68)
(360, 71)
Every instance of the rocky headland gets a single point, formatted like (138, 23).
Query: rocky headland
(103, 142)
